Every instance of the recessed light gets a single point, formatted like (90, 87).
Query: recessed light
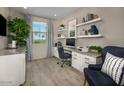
(25, 7)
(55, 15)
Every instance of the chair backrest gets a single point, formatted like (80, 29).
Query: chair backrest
(61, 52)
(117, 51)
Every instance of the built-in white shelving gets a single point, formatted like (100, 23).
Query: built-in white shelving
(83, 36)
(90, 36)
(89, 22)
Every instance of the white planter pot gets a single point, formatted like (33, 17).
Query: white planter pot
(13, 43)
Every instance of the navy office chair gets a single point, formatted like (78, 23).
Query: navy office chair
(93, 74)
(64, 57)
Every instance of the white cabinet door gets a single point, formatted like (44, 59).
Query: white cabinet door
(89, 60)
(77, 61)
(81, 61)
(12, 69)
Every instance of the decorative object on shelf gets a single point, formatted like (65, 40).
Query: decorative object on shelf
(82, 32)
(59, 35)
(94, 30)
(87, 32)
(55, 45)
(62, 26)
(83, 20)
(72, 28)
(95, 49)
(95, 16)
(91, 16)
(18, 31)
(62, 36)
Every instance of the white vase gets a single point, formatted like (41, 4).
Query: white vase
(13, 43)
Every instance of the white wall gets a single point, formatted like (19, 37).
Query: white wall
(6, 12)
(111, 27)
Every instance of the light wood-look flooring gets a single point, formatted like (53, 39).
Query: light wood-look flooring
(46, 72)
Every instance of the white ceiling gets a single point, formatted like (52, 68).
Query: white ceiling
(47, 12)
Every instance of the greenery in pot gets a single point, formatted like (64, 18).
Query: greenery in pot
(18, 30)
(96, 49)
(62, 25)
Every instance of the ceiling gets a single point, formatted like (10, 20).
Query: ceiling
(47, 12)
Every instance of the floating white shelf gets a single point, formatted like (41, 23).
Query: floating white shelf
(89, 22)
(65, 37)
(61, 37)
(61, 30)
(90, 36)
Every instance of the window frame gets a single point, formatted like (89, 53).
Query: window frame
(40, 40)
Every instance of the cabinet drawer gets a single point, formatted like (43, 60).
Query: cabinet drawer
(77, 65)
(77, 61)
(89, 60)
(76, 55)
(74, 58)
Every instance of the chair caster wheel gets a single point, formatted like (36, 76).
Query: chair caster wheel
(61, 65)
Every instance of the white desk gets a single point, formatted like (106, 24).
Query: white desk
(81, 60)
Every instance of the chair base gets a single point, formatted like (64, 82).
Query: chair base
(64, 61)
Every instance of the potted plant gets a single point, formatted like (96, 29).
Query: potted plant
(95, 49)
(18, 31)
(62, 26)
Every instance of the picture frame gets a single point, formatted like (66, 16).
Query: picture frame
(72, 28)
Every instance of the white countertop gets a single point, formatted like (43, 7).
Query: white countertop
(84, 53)
(12, 51)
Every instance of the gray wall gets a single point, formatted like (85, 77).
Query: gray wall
(111, 26)
(3, 40)
(6, 12)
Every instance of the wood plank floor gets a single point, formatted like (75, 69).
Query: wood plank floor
(46, 72)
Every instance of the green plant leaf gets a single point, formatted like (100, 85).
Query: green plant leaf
(20, 30)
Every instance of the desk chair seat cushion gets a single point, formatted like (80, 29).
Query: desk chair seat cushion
(66, 56)
(98, 78)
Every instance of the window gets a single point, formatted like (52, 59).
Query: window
(39, 32)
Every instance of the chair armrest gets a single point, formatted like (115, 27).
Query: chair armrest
(95, 67)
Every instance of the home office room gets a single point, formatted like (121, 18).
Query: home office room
(61, 46)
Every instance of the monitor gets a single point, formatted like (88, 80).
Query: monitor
(70, 42)
(2, 26)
